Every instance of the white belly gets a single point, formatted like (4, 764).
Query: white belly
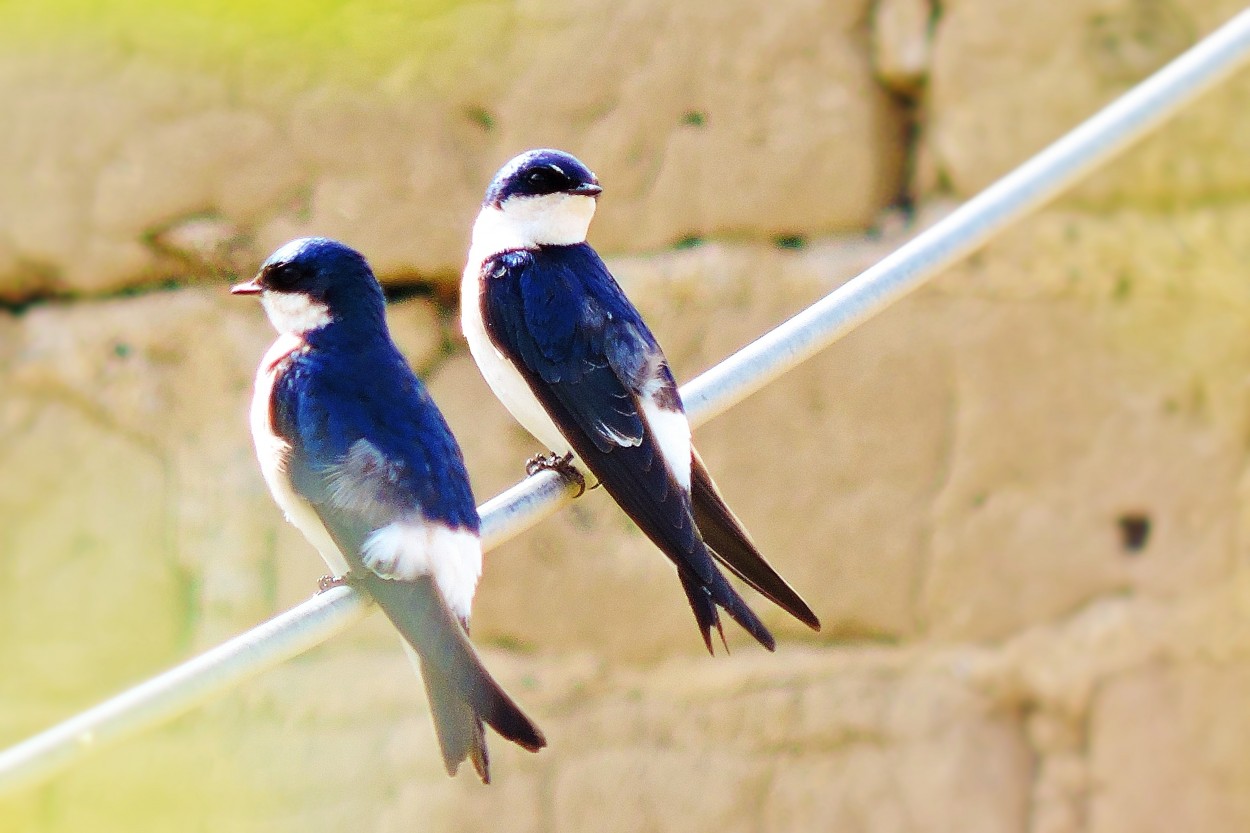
(504, 380)
(271, 453)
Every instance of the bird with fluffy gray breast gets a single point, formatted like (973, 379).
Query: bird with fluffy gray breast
(570, 356)
(360, 459)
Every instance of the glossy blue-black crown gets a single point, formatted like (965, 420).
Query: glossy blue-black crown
(324, 270)
(540, 172)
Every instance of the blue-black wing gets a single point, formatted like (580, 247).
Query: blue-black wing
(561, 319)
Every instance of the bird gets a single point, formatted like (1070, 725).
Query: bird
(571, 358)
(361, 461)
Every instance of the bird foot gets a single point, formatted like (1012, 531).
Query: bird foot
(330, 582)
(561, 465)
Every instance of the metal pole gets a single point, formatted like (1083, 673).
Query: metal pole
(1007, 201)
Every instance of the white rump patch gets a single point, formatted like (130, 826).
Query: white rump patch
(294, 312)
(406, 550)
(672, 433)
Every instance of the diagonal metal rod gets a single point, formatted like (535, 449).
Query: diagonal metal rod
(1103, 136)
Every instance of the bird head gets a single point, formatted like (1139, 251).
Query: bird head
(313, 281)
(543, 197)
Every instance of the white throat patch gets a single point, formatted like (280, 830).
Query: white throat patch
(529, 222)
(294, 312)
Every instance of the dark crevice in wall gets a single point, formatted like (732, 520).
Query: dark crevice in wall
(409, 288)
(911, 109)
(51, 297)
(441, 292)
(18, 307)
(910, 98)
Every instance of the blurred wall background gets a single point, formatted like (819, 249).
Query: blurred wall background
(1017, 499)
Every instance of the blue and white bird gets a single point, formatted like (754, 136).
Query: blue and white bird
(361, 461)
(569, 355)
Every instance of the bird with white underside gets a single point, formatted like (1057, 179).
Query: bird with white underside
(359, 458)
(570, 356)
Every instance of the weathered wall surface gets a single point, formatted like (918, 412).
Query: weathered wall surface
(1017, 499)
(167, 136)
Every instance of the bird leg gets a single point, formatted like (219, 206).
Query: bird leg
(330, 582)
(561, 465)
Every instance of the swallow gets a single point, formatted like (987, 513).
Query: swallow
(361, 461)
(569, 355)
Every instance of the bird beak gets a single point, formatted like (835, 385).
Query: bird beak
(587, 189)
(252, 287)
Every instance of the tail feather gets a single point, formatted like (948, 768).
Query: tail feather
(732, 546)
(705, 613)
(462, 692)
(478, 754)
(725, 596)
(641, 482)
(459, 729)
(704, 600)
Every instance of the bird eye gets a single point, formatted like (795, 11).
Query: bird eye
(280, 276)
(544, 181)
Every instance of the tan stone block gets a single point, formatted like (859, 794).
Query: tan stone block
(1060, 795)
(93, 595)
(646, 789)
(512, 802)
(858, 737)
(735, 138)
(153, 363)
(19, 814)
(1145, 415)
(901, 43)
(1004, 86)
(232, 162)
(1132, 705)
(873, 789)
(1030, 522)
(1167, 749)
(418, 329)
